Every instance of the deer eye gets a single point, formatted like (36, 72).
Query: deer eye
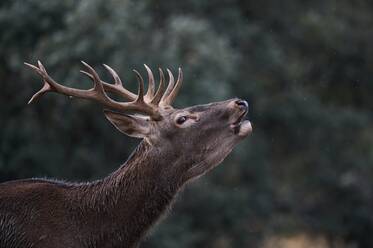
(181, 120)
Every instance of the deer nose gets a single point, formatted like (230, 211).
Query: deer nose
(242, 104)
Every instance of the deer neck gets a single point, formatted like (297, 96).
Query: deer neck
(138, 193)
(148, 170)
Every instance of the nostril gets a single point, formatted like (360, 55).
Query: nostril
(242, 103)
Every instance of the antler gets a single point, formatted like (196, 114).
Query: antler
(117, 87)
(147, 104)
(172, 88)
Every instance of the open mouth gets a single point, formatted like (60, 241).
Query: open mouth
(239, 119)
(241, 127)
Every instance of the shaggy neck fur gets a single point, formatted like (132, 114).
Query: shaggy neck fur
(129, 201)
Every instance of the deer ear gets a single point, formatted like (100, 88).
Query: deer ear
(128, 124)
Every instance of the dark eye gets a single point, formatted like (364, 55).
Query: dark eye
(181, 120)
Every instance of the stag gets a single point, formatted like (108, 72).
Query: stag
(177, 146)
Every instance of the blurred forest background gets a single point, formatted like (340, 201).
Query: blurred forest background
(305, 176)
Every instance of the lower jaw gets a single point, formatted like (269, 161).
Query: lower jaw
(243, 129)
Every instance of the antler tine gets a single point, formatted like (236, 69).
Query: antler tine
(41, 66)
(140, 102)
(151, 85)
(171, 97)
(140, 93)
(158, 95)
(87, 74)
(117, 87)
(96, 80)
(170, 86)
(46, 87)
(114, 74)
(49, 83)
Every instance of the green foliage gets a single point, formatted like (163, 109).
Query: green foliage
(304, 66)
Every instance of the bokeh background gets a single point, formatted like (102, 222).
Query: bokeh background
(303, 179)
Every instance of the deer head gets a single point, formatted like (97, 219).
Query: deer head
(202, 135)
